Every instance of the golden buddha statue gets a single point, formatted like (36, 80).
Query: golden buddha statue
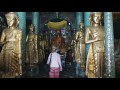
(41, 49)
(73, 45)
(31, 47)
(10, 56)
(95, 65)
(59, 42)
(46, 42)
(80, 46)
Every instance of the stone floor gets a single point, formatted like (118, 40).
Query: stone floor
(68, 72)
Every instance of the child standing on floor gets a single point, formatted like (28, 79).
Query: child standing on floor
(54, 60)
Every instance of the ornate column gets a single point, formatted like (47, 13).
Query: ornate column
(109, 45)
(35, 21)
(86, 23)
(22, 25)
(79, 18)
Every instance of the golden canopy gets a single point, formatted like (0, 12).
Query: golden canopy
(57, 25)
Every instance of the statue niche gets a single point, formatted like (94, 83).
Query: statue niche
(58, 41)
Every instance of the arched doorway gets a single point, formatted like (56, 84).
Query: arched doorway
(60, 25)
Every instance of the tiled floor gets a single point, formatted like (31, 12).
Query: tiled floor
(68, 72)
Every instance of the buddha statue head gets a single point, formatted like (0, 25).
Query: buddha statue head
(32, 28)
(96, 17)
(81, 26)
(12, 19)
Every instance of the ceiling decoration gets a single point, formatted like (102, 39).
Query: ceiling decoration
(57, 23)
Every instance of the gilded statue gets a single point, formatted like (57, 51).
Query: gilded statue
(10, 56)
(42, 44)
(31, 47)
(46, 41)
(59, 42)
(95, 65)
(73, 45)
(80, 46)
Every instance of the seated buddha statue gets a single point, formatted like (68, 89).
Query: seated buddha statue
(58, 41)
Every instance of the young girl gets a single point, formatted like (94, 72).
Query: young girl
(54, 60)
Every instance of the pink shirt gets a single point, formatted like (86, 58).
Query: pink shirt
(55, 60)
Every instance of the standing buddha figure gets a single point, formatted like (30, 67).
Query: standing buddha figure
(41, 48)
(95, 65)
(10, 56)
(80, 46)
(31, 47)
